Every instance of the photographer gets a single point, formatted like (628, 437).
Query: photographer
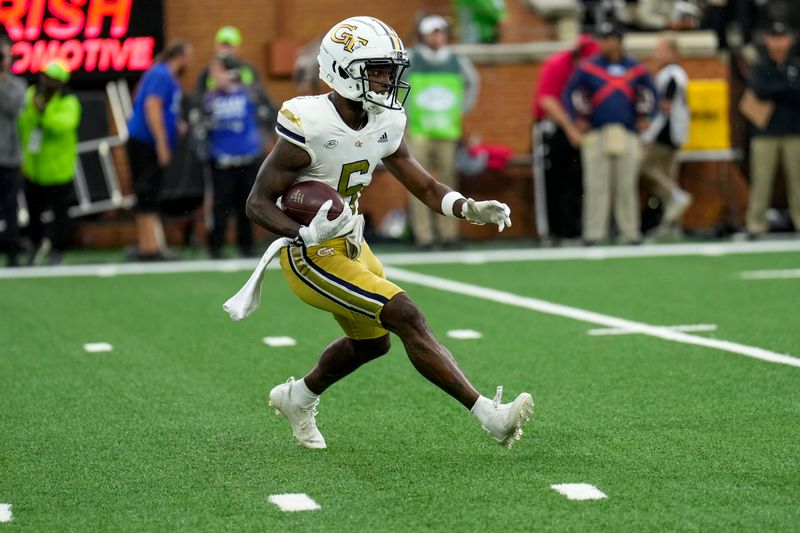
(48, 128)
(228, 42)
(12, 95)
(236, 150)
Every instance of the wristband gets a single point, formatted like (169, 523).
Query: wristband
(448, 201)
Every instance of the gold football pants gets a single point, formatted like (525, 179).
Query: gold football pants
(353, 290)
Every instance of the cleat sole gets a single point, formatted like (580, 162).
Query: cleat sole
(522, 416)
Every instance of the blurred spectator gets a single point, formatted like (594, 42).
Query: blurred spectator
(614, 11)
(557, 141)
(306, 68)
(566, 16)
(153, 135)
(444, 86)
(667, 133)
(668, 14)
(610, 96)
(236, 150)
(227, 42)
(12, 96)
(479, 20)
(783, 10)
(48, 129)
(775, 78)
(739, 13)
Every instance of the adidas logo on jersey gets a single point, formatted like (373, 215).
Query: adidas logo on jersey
(383, 138)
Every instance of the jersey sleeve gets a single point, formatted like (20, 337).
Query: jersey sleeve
(289, 127)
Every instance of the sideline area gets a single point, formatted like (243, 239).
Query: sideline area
(399, 259)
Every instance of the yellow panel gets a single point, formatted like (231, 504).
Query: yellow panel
(709, 128)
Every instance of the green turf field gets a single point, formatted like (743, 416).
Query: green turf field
(170, 430)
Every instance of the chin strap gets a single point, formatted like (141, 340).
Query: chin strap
(371, 102)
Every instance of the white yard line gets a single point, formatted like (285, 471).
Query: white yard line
(618, 331)
(464, 334)
(592, 253)
(543, 306)
(771, 274)
(96, 347)
(5, 512)
(294, 502)
(278, 342)
(471, 257)
(579, 491)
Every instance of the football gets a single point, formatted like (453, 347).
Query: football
(302, 200)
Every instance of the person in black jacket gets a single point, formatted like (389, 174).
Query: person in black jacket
(775, 78)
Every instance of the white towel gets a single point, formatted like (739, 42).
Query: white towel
(243, 303)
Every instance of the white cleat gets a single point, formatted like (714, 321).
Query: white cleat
(301, 418)
(505, 423)
(677, 206)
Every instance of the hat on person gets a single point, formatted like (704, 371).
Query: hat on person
(608, 29)
(57, 70)
(778, 28)
(432, 23)
(228, 35)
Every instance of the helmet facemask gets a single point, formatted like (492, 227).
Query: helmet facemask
(396, 89)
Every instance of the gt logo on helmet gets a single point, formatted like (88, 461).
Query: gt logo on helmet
(342, 36)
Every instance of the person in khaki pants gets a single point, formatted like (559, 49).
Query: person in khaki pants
(445, 87)
(610, 95)
(775, 78)
(610, 159)
(440, 156)
(668, 131)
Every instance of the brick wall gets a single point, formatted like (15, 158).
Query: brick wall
(506, 89)
(502, 112)
(262, 22)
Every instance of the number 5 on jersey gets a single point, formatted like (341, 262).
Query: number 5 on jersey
(344, 189)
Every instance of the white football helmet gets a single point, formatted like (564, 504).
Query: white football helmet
(352, 45)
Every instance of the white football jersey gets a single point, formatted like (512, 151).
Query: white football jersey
(341, 157)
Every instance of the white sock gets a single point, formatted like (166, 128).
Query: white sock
(302, 394)
(483, 409)
(678, 194)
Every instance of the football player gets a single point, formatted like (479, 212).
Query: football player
(339, 138)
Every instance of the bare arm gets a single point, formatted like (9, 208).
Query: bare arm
(154, 116)
(418, 181)
(278, 172)
(556, 111)
(552, 106)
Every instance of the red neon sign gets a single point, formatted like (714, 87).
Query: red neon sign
(73, 31)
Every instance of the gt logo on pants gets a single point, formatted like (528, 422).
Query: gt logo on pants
(322, 252)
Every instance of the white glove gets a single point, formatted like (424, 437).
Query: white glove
(487, 212)
(320, 229)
